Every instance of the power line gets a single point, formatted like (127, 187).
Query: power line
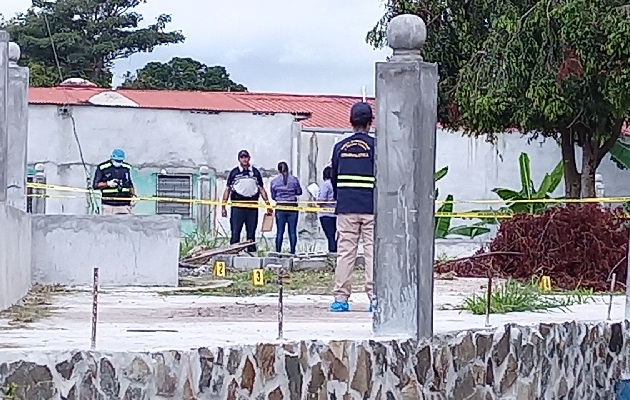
(92, 204)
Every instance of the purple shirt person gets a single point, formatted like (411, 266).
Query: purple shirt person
(326, 199)
(285, 191)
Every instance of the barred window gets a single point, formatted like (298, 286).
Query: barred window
(29, 192)
(177, 186)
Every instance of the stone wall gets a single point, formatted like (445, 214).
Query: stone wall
(15, 255)
(563, 361)
(129, 250)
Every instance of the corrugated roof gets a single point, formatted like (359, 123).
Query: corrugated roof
(65, 95)
(185, 100)
(323, 111)
(327, 111)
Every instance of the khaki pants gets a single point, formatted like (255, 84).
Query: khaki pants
(351, 228)
(116, 210)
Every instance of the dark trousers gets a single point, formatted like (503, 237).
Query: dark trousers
(283, 219)
(329, 226)
(247, 217)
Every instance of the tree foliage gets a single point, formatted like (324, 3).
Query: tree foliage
(182, 74)
(89, 35)
(558, 68)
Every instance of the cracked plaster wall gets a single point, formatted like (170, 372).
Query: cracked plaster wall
(129, 250)
(152, 139)
(549, 361)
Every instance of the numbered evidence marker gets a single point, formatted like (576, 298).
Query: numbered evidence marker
(219, 269)
(258, 277)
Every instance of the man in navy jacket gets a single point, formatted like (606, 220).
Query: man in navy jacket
(353, 182)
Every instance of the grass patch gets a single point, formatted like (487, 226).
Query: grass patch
(33, 307)
(515, 296)
(302, 282)
(9, 393)
(201, 238)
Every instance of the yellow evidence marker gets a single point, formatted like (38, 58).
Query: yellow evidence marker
(545, 284)
(219, 269)
(258, 277)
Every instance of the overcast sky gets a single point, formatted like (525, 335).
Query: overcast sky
(293, 46)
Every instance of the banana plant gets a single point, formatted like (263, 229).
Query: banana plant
(443, 224)
(516, 201)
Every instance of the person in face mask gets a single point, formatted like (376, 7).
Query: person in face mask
(113, 179)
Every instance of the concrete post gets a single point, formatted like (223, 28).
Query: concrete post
(203, 193)
(39, 201)
(406, 100)
(17, 113)
(627, 313)
(4, 127)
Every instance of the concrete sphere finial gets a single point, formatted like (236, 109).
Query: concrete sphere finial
(406, 35)
(14, 52)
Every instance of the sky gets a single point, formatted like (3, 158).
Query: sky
(289, 46)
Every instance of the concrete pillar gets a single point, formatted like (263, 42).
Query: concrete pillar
(39, 201)
(406, 101)
(627, 313)
(203, 193)
(18, 130)
(4, 127)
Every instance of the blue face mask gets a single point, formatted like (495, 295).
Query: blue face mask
(116, 163)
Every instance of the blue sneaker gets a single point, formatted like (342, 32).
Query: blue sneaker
(339, 306)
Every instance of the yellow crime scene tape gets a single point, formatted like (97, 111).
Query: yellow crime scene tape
(309, 207)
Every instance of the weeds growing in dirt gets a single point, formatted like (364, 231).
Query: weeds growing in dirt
(514, 296)
(9, 393)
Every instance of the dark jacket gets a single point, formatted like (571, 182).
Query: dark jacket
(245, 184)
(353, 174)
(106, 171)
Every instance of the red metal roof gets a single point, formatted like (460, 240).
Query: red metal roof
(323, 111)
(185, 100)
(327, 111)
(66, 95)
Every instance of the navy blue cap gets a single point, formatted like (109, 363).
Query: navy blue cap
(361, 114)
(243, 153)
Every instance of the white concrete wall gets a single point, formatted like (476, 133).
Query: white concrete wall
(475, 166)
(15, 255)
(152, 140)
(129, 250)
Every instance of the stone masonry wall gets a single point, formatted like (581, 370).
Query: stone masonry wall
(563, 361)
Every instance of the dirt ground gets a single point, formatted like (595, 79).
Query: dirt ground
(152, 305)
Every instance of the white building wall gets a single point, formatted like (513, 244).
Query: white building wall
(179, 141)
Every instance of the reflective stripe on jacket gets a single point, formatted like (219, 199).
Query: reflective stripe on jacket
(353, 174)
(107, 171)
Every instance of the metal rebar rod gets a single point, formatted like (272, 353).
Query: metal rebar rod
(280, 304)
(488, 299)
(94, 307)
(613, 281)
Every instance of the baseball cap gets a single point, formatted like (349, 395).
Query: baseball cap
(243, 153)
(361, 114)
(118, 155)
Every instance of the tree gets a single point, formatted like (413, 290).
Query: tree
(182, 74)
(89, 35)
(556, 69)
